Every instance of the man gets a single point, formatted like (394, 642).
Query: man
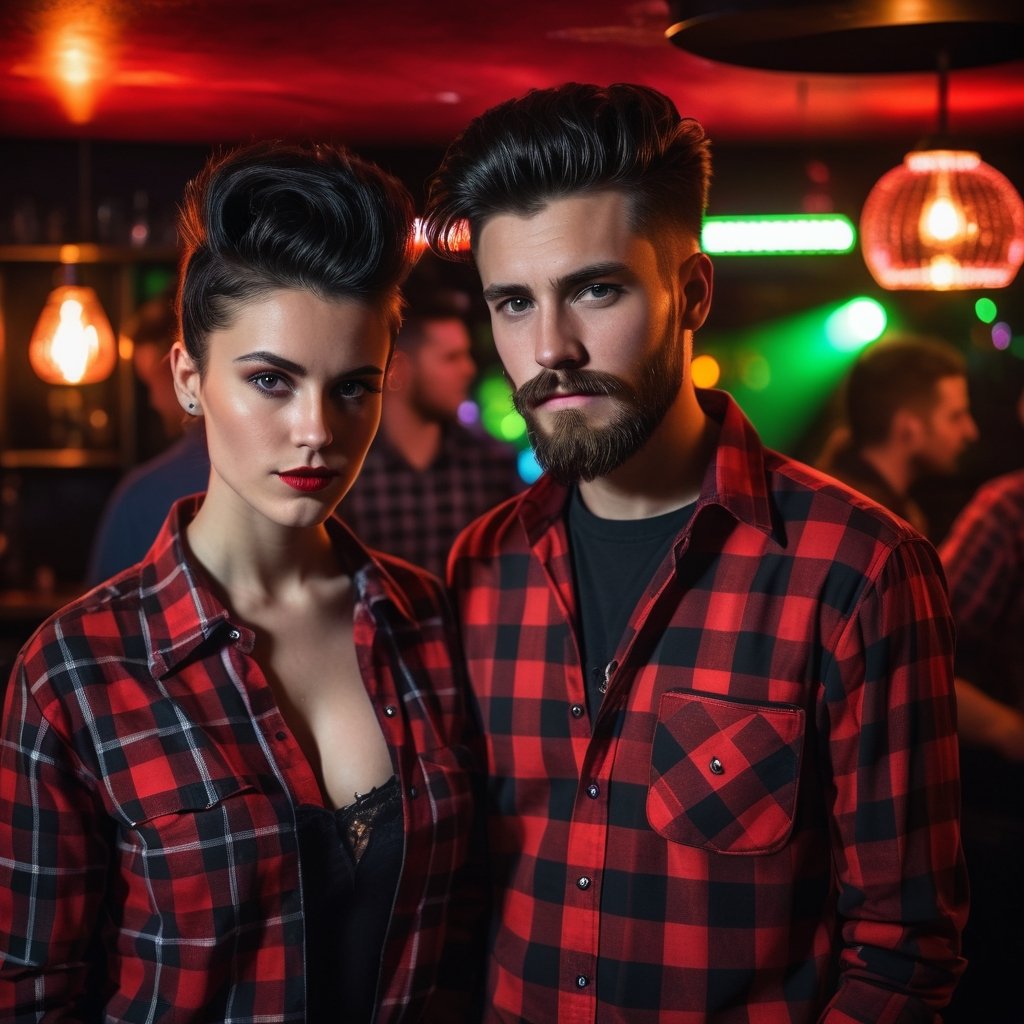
(909, 416)
(984, 561)
(716, 686)
(426, 475)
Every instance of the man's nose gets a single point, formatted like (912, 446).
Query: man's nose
(558, 343)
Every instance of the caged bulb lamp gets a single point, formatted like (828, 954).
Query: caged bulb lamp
(943, 220)
(73, 342)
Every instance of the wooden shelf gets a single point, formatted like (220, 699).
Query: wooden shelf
(59, 458)
(87, 253)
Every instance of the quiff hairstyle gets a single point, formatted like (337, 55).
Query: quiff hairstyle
(553, 143)
(272, 215)
(893, 375)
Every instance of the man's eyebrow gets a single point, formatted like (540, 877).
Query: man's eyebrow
(273, 360)
(567, 282)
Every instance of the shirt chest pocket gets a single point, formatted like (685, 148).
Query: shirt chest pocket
(724, 773)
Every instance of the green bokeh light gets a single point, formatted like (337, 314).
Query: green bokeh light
(985, 310)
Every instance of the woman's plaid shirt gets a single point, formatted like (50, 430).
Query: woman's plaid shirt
(148, 786)
(761, 824)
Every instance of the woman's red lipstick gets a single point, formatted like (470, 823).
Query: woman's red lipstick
(304, 479)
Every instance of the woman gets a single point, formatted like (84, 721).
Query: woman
(232, 781)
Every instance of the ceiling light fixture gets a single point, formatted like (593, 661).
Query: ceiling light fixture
(944, 219)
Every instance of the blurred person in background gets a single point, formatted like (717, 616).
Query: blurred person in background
(907, 416)
(983, 556)
(138, 506)
(427, 475)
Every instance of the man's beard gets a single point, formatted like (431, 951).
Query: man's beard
(575, 451)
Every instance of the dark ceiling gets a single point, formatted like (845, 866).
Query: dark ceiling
(409, 72)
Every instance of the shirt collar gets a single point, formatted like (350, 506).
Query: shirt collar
(181, 610)
(736, 477)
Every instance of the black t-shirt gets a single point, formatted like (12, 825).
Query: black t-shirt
(613, 561)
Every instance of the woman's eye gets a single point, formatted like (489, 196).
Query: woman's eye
(350, 389)
(271, 383)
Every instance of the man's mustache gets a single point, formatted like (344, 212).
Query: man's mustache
(548, 383)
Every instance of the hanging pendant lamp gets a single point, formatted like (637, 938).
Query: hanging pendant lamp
(943, 220)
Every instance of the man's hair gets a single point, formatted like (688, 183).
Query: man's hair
(893, 375)
(274, 215)
(552, 143)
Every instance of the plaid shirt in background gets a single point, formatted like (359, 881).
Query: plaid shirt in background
(417, 514)
(148, 787)
(762, 821)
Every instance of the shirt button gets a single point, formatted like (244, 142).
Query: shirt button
(577, 710)
(412, 792)
(234, 635)
(716, 766)
(390, 711)
(582, 981)
(583, 883)
(280, 735)
(593, 791)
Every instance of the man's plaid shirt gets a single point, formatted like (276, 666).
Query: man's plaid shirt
(417, 514)
(148, 788)
(762, 821)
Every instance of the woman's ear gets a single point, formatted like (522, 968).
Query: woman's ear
(696, 279)
(187, 380)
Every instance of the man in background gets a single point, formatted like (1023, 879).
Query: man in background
(139, 504)
(983, 556)
(908, 416)
(427, 475)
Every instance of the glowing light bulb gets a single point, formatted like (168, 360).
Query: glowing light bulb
(72, 342)
(942, 220)
(942, 272)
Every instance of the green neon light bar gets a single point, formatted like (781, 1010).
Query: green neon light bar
(784, 234)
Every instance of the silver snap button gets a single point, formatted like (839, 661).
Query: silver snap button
(593, 791)
(412, 792)
(390, 711)
(716, 766)
(583, 883)
(582, 981)
(577, 710)
(234, 635)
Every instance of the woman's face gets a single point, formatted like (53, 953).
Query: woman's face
(291, 399)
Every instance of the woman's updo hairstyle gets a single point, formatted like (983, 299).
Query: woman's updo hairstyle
(274, 215)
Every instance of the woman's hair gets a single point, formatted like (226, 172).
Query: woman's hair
(552, 143)
(274, 215)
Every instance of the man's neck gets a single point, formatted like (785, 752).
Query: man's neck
(893, 467)
(415, 438)
(665, 474)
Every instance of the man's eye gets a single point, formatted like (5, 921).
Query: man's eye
(599, 291)
(516, 305)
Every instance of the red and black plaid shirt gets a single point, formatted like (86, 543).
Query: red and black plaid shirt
(149, 867)
(761, 824)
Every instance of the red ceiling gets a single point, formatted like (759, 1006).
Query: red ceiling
(415, 71)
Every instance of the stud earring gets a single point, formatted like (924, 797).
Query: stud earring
(191, 406)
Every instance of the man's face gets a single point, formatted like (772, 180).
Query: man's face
(948, 428)
(588, 326)
(442, 370)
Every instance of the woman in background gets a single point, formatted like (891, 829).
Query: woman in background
(233, 778)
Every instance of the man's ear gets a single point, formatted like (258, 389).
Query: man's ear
(187, 381)
(907, 429)
(696, 281)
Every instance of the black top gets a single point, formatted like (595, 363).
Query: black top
(613, 561)
(351, 862)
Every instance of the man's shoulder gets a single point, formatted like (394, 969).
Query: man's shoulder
(817, 501)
